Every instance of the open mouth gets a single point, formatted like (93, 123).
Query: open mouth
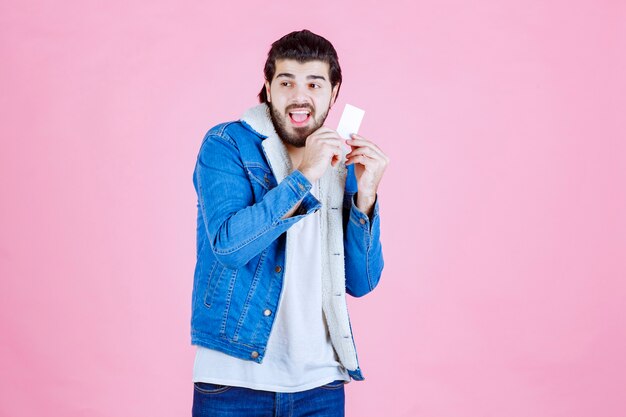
(299, 117)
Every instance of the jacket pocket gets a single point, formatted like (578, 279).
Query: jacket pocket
(215, 274)
(259, 175)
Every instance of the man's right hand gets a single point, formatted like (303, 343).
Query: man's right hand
(322, 148)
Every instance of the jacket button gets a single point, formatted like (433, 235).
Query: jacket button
(362, 221)
(278, 269)
(254, 355)
(301, 186)
(267, 312)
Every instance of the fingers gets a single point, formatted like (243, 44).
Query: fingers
(363, 150)
(362, 146)
(329, 139)
(326, 132)
(358, 141)
(360, 159)
(332, 144)
(323, 129)
(327, 136)
(326, 142)
(369, 152)
(372, 163)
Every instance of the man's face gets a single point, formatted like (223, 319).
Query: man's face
(299, 96)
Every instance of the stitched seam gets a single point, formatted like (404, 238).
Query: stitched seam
(368, 246)
(262, 325)
(245, 242)
(221, 133)
(253, 285)
(200, 335)
(357, 216)
(223, 388)
(280, 218)
(223, 337)
(292, 184)
(200, 187)
(208, 285)
(201, 200)
(356, 222)
(256, 178)
(261, 233)
(333, 387)
(256, 165)
(229, 294)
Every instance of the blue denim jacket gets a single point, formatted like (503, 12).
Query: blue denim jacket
(241, 242)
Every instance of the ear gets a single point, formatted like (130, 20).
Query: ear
(267, 91)
(333, 96)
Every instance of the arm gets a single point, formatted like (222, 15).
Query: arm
(237, 227)
(363, 250)
(366, 164)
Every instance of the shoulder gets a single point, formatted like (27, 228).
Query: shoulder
(233, 133)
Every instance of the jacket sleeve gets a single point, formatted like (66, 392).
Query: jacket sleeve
(363, 251)
(239, 228)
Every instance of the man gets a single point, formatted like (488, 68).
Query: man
(282, 236)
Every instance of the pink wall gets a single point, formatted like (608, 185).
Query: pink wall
(503, 208)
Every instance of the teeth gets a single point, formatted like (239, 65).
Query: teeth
(300, 112)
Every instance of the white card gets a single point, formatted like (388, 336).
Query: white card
(350, 121)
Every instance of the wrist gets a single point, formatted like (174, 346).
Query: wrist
(307, 173)
(365, 203)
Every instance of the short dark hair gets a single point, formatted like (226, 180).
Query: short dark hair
(302, 46)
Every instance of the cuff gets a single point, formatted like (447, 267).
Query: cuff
(361, 219)
(298, 183)
(301, 187)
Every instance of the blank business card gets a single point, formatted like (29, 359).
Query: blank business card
(350, 121)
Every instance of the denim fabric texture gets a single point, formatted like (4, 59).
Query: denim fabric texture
(241, 241)
(211, 400)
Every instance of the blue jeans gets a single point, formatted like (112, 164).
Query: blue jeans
(211, 400)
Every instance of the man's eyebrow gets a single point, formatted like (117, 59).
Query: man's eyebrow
(308, 77)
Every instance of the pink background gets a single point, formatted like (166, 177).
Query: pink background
(503, 208)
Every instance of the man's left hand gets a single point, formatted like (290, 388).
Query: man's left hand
(369, 165)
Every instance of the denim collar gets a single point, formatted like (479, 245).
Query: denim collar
(258, 118)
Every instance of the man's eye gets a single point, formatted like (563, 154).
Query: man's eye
(285, 84)
(314, 85)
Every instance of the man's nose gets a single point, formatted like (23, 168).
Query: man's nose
(300, 94)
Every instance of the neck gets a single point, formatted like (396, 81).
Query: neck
(295, 154)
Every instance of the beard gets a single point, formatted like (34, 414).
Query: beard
(298, 135)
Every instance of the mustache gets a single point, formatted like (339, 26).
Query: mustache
(299, 106)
